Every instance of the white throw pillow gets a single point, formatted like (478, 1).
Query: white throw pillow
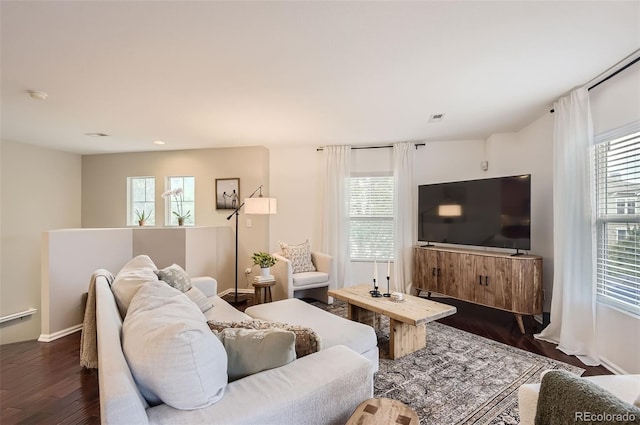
(173, 355)
(176, 277)
(251, 350)
(138, 271)
(299, 255)
(199, 298)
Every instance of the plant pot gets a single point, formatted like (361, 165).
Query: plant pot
(180, 221)
(265, 271)
(141, 222)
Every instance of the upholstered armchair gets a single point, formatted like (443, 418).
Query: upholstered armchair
(305, 284)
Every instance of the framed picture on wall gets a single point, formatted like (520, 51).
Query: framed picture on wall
(227, 194)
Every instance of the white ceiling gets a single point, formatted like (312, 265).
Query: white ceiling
(219, 74)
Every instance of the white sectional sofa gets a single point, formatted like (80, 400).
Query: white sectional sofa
(321, 388)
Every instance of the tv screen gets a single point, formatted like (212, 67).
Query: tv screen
(492, 212)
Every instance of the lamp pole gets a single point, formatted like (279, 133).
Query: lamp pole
(239, 300)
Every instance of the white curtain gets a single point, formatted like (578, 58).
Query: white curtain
(404, 213)
(335, 230)
(573, 307)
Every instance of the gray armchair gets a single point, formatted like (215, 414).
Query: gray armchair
(306, 284)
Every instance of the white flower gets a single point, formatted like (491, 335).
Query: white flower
(167, 193)
(177, 191)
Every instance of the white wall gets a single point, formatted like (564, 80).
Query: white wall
(40, 191)
(295, 182)
(104, 199)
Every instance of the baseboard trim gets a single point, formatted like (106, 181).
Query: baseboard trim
(232, 290)
(59, 334)
(612, 366)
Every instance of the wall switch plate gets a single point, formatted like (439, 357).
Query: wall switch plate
(249, 222)
(484, 165)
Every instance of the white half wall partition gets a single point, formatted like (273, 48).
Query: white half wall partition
(69, 257)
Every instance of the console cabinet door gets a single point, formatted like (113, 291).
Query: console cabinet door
(448, 274)
(497, 282)
(527, 286)
(425, 266)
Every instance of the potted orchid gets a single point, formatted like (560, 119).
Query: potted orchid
(178, 195)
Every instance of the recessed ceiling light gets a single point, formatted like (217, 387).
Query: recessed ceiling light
(436, 118)
(158, 142)
(38, 95)
(96, 134)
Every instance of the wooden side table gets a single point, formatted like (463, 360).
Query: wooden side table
(262, 290)
(383, 411)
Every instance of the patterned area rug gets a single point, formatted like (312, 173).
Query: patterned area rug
(459, 378)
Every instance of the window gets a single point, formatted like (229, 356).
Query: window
(618, 223)
(371, 217)
(180, 204)
(141, 199)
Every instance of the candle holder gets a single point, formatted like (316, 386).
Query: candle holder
(375, 293)
(388, 294)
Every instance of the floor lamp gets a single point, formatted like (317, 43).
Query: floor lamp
(252, 205)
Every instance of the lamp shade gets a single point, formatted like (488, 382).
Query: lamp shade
(260, 205)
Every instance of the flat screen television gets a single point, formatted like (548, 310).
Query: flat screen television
(493, 212)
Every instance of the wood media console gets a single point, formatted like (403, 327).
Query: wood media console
(493, 279)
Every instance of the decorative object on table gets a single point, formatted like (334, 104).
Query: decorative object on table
(142, 217)
(178, 195)
(397, 297)
(375, 293)
(260, 206)
(387, 294)
(227, 194)
(265, 261)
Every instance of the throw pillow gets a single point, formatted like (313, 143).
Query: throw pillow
(299, 255)
(199, 298)
(174, 358)
(307, 340)
(138, 271)
(562, 394)
(176, 277)
(251, 351)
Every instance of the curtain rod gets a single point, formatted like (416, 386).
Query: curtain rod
(417, 145)
(613, 74)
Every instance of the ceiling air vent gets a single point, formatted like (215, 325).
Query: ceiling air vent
(436, 118)
(96, 134)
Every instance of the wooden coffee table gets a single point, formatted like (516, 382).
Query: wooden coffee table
(407, 319)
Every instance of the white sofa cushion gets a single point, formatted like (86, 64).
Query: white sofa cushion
(138, 271)
(251, 351)
(309, 278)
(173, 356)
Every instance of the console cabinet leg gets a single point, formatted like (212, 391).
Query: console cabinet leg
(520, 323)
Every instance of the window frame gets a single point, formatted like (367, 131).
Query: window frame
(171, 219)
(370, 218)
(609, 224)
(131, 203)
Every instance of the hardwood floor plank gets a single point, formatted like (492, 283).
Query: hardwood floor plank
(44, 383)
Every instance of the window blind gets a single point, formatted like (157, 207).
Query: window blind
(371, 217)
(618, 222)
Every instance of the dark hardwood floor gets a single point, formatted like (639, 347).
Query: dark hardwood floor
(43, 383)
